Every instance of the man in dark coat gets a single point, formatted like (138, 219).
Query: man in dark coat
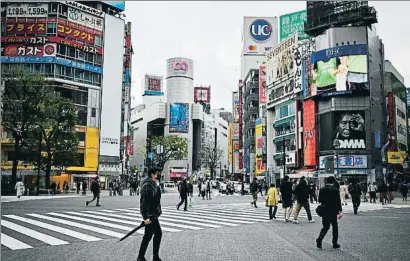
(183, 194)
(95, 189)
(150, 208)
(355, 191)
(332, 207)
(254, 187)
(302, 197)
(287, 193)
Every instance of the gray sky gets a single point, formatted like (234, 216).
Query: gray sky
(210, 34)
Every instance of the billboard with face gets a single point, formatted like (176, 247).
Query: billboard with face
(341, 68)
(179, 118)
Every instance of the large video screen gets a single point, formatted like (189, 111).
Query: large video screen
(340, 69)
(348, 131)
(179, 118)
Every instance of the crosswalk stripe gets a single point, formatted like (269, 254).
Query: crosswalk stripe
(61, 230)
(129, 218)
(235, 216)
(236, 213)
(33, 234)
(203, 217)
(13, 243)
(107, 210)
(96, 222)
(161, 218)
(78, 225)
(208, 215)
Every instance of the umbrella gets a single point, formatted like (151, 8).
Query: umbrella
(132, 231)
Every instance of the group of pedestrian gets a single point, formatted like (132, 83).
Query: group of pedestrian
(205, 188)
(115, 187)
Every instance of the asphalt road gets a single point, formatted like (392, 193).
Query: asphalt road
(224, 228)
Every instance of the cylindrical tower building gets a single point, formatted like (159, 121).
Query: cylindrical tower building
(180, 80)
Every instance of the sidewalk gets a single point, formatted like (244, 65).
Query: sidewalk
(5, 199)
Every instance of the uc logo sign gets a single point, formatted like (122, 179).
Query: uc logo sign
(181, 66)
(260, 30)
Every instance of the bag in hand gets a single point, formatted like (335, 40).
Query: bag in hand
(320, 210)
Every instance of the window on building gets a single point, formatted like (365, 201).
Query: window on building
(51, 28)
(97, 40)
(93, 112)
(3, 28)
(52, 8)
(401, 114)
(62, 9)
(81, 136)
(82, 115)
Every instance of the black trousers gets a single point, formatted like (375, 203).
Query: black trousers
(272, 215)
(184, 198)
(153, 229)
(356, 203)
(372, 196)
(326, 222)
(312, 197)
(96, 196)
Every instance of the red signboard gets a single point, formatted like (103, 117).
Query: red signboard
(30, 50)
(202, 94)
(74, 33)
(262, 84)
(26, 28)
(309, 133)
(52, 39)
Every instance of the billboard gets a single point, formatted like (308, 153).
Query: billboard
(262, 84)
(309, 133)
(341, 68)
(112, 87)
(202, 94)
(180, 67)
(27, 10)
(347, 127)
(70, 31)
(178, 117)
(345, 162)
(85, 19)
(117, 4)
(235, 131)
(235, 107)
(240, 112)
(153, 85)
(49, 49)
(259, 34)
(396, 157)
(292, 23)
(260, 166)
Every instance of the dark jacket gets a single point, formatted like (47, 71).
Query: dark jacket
(355, 190)
(95, 187)
(191, 188)
(254, 187)
(302, 192)
(150, 200)
(286, 190)
(183, 188)
(330, 199)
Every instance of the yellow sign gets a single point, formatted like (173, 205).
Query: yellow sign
(260, 167)
(396, 157)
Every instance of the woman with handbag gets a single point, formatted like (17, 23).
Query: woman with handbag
(272, 201)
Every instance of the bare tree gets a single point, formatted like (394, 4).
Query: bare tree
(211, 156)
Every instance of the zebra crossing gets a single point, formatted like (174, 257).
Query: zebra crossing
(34, 230)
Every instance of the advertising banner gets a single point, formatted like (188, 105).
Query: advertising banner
(235, 131)
(235, 144)
(180, 67)
(260, 166)
(309, 133)
(345, 162)
(230, 148)
(391, 113)
(202, 94)
(153, 85)
(82, 18)
(49, 49)
(262, 84)
(27, 10)
(240, 90)
(292, 23)
(85, 8)
(396, 157)
(179, 118)
(341, 68)
(348, 130)
(259, 34)
(236, 162)
(26, 28)
(25, 39)
(235, 106)
(71, 32)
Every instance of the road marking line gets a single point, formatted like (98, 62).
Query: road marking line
(96, 222)
(33, 234)
(207, 215)
(78, 225)
(235, 212)
(108, 211)
(206, 218)
(60, 230)
(13, 243)
(172, 230)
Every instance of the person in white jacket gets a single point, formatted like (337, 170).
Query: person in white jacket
(343, 192)
(19, 188)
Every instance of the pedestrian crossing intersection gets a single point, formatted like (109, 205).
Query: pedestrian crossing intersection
(34, 230)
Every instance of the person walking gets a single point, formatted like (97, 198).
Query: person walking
(183, 194)
(84, 187)
(19, 187)
(404, 191)
(302, 197)
(343, 193)
(78, 187)
(287, 193)
(190, 192)
(150, 208)
(355, 191)
(331, 206)
(208, 189)
(95, 189)
(383, 193)
(272, 201)
(254, 187)
(364, 189)
(372, 192)
(312, 192)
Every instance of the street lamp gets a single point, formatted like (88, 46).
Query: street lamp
(336, 145)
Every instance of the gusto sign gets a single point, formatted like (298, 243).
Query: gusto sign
(181, 66)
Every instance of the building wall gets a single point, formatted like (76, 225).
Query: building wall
(401, 124)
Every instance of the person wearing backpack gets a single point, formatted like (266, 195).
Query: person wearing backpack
(183, 193)
(355, 191)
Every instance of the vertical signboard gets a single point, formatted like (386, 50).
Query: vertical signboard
(235, 107)
(179, 118)
(259, 34)
(262, 84)
(240, 125)
(202, 94)
(292, 23)
(309, 133)
(153, 85)
(260, 166)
